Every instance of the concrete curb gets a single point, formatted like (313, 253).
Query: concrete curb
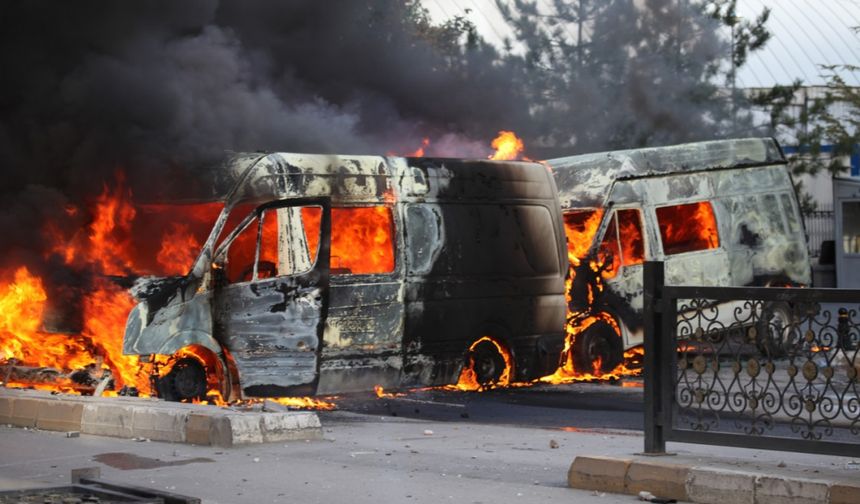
(153, 419)
(705, 485)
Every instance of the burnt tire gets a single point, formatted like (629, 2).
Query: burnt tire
(599, 340)
(185, 381)
(488, 364)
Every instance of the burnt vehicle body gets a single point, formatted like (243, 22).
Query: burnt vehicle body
(717, 213)
(326, 274)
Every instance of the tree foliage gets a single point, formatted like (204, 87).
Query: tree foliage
(824, 129)
(616, 74)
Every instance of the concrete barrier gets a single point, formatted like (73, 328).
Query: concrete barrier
(706, 485)
(153, 419)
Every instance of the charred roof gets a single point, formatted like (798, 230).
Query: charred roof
(264, 177)
(588, 178)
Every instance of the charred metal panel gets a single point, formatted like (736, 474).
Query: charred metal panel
(425, 238)
(453, 180)
(172, 327)
(482, 270)
(585, 181)
(164, 322)
(271, 330)
(362, 342)
(280, 176)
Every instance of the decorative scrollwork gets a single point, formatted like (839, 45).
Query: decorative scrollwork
(767, 368)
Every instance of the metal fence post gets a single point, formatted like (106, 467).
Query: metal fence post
(655, 441)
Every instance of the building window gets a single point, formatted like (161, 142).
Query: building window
(851, 227)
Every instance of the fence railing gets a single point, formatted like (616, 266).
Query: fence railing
(819, 228)
(768, 368)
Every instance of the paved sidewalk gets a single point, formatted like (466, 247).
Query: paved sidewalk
(375, 459)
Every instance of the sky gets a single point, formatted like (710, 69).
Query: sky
(806, 34)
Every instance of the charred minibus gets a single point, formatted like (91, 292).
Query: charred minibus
(326, 274)
(718, 213)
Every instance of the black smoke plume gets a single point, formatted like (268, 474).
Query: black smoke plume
(160, 89)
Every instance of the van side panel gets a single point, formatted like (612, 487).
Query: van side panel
(484, 254)
(362, 339)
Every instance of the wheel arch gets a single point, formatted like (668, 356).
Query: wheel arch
(219, 372)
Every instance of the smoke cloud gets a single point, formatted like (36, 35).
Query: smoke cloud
(160, 90)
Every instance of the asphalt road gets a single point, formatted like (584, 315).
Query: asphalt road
(510, 445)
(571, 406)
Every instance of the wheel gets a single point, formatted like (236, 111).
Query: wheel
(599, 341)
(185, 381)
(489, 365)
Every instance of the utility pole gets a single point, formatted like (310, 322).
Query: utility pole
(580, 15)
(732, 21)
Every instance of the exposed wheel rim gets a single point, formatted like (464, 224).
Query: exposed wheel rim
(188, 379)
(597, 341)
(488, 363)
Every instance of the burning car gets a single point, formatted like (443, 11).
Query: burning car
(326, 274)
(718, 213)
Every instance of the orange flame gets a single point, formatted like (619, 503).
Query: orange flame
(361, 238)
(103, 248)
(507, 145)
(468, 380)
(381, 393)
(22, 302)
(105, 313)
(178, 249)
(304, 403)
(419, 152)
(688, 227)
(109, 239)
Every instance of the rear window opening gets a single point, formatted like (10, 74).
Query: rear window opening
(688, 228)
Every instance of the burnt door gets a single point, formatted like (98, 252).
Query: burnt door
(271, 301)
(624, 245)
(364, 329)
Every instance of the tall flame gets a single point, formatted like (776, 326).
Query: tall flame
(102, 250)
(507, 145)
(22, 303)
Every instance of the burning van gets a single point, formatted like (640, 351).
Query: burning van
(719, 213)
(326, 274)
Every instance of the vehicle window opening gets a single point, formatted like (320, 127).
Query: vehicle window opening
(580, 227)
(362, 239)
(688, 227)
(632, 240)
(609, 253)
(275, 243)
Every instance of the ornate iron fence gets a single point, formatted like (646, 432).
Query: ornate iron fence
(769, 368)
